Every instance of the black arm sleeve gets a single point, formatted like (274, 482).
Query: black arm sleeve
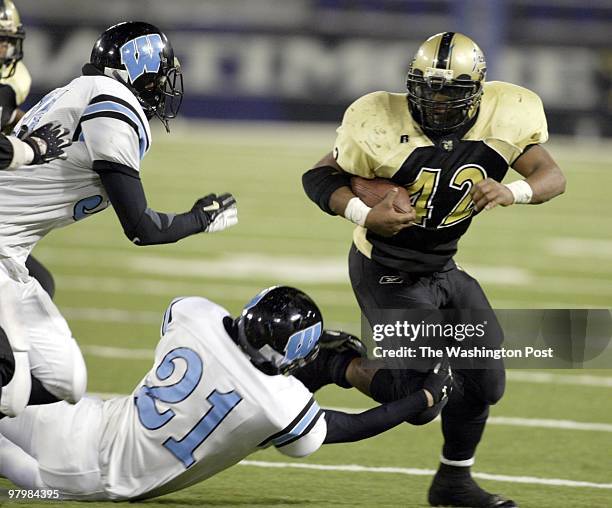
(6, 152)
(320, 183)
(346, 428)
(141, 224)
(8, 103)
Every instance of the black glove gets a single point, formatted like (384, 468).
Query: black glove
(439, 382)
(47, 142)
(216, 213)
(342, 342)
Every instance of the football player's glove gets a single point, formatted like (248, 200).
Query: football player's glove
(439, 382)
(47, 142)
(342, 342)
(216, 213)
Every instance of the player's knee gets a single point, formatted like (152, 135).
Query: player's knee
(72, 384)
(79, 376)
(494, 388)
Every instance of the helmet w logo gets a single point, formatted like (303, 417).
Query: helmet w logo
(142, 55)
(302, 342)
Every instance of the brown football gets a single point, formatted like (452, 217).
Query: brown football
(373, 191)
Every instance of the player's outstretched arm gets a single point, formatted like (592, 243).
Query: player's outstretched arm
(543, 181)
(145, 226)
(329, 187)
(344, 427)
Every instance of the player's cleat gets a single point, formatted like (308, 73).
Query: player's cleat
(342, 342)
(449, 489)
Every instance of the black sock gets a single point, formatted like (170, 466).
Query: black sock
(463, 422)
(7, 360)
(39, 394)
(455, 472)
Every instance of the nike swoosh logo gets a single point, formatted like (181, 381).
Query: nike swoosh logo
(214, 206)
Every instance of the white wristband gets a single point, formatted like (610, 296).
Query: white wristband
(521, 191)
(357, 211)
(22, 153)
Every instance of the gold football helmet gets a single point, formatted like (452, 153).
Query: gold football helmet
(445, 82)
(11, 38)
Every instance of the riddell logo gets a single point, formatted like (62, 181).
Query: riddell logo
(391, 279)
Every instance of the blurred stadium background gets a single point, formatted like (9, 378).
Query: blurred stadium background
(266, 84)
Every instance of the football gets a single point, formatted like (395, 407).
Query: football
(373, 191)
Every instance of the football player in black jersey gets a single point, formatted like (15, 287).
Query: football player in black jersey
(449, 141)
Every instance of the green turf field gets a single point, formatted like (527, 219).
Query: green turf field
(556, 255)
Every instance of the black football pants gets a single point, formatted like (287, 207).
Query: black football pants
(377, 287)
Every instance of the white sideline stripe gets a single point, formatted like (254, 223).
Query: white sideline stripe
(354, 468)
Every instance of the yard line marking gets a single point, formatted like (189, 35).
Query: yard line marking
(118, 352)
(512, 375)
(509, 421)
(259, 266)
(579, 247)
(142, 317)
(97, 315)
(172, 288)
(563, 379)
(355, 468)
(512, 421)
(543, 423)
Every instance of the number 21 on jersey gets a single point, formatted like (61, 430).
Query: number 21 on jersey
(221, 404)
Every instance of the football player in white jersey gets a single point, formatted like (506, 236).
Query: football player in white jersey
(220, 389)
(132, 76)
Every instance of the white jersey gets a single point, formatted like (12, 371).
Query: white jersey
(105, 122)
(202, 408)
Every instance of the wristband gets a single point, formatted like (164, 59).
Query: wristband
(521, 191)
(356, 211)
(22, 153)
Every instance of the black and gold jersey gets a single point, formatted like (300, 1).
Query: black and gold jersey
(13, 92)
(379, 138)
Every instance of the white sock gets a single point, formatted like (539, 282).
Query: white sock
(457, 463)
(19, 467)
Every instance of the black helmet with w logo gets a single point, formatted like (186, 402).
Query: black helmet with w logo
(141, 57)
